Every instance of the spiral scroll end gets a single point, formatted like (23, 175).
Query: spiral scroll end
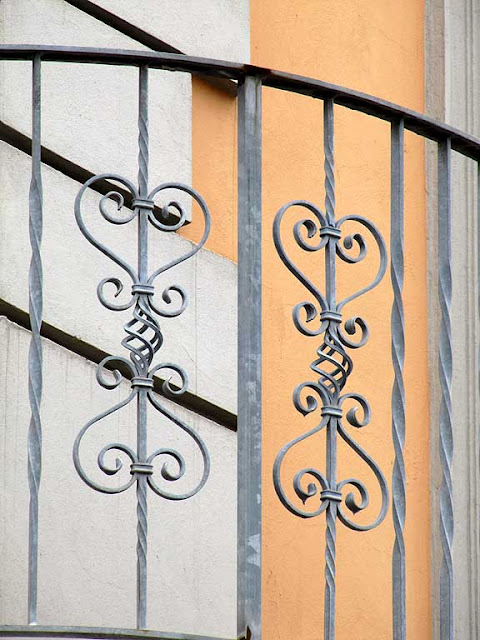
(351, 504)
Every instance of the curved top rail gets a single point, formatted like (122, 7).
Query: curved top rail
(420, 124)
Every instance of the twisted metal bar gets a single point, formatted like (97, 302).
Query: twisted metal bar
(332, 368)
(328, 141)
(330, 551)
(398, 390)
(334, 379)
(142, 346)
(143, 160)
(142, 514)
(445, 374)
(143, 340)
(35, 359)
(331, 530)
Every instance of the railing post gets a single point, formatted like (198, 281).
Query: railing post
(249, 356)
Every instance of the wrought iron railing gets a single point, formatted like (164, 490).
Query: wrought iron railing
(322, 317)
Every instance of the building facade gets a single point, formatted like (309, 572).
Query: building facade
(89, 568)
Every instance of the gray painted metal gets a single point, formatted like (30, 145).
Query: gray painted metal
(143, 340)
(249, 576)
(445, 374)
(332, 368)
(398, 390)
(142, 522)
(94, 633)
(35, 359)
(330, 288)
(413, 121)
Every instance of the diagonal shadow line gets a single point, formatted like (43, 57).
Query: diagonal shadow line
(76, 172)
(22, 142)
(90, 352)
(142, 37)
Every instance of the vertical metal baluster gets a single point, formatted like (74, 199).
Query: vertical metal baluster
(142, 522)
(445, 374)
(398, 390)
(331, 533)
(330, 277)
(35, 372)
(249, 356)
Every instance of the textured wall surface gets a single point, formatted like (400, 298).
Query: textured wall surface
(453, 95)
(214, 28)
(87, 539)
(87, 559)
(202, 339)
(376, 47)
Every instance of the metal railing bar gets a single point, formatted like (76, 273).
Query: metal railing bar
(420, 124)
(100, 633)
(331, 437)
(22, 142)
(249, 505)
(35, 356)
(126, 57)
(398, 390)
(188, 400)
(143, 339)
(142, 37)
(445, 375)
(414, 121)
(142, 399)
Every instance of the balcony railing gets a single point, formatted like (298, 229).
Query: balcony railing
(318, 491)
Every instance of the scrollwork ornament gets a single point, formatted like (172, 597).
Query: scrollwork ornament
(322, 316)
(144, 336)
(158, 210)
(311, 309)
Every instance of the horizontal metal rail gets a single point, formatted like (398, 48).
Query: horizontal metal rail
(100, 633)
(413, 121)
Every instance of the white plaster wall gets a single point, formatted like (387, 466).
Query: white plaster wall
(211, 28)
(97, 128)
(89, 112)
(87, 540)
(87, 557)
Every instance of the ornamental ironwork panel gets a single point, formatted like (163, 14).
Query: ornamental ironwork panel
(323, 319)
(143, 340)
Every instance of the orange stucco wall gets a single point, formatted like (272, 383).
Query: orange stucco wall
(376, 47)
(214, 165)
